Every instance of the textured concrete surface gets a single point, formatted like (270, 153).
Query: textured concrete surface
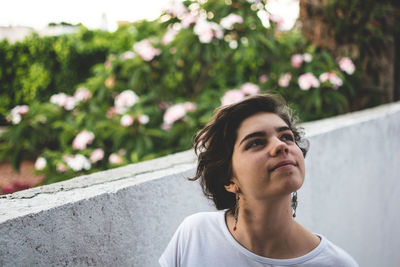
(353, 182)
(126, 216)
(121, 217)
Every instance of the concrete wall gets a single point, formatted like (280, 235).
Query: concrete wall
(126, 216)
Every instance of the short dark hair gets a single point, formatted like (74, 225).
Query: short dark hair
(214, 143)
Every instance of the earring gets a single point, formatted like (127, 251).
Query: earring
(294, 203)
(236, 214)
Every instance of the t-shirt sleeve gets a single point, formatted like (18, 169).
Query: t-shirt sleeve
(173, 253)
(336, 256)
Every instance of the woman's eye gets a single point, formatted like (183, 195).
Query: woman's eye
(287, 137)
(255, 143)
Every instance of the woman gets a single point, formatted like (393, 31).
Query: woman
(251, 163)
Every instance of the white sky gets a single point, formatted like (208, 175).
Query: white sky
(38, 13)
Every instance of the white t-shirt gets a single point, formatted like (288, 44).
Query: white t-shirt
(203, 239)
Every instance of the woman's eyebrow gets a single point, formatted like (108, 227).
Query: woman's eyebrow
(260, 133)
(282, 129)
(255, 134)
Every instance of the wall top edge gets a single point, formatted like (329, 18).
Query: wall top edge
(21, 205)
(103, 177)
(341, 121)
(188, 157)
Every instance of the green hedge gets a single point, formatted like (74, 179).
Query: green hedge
(38, 67)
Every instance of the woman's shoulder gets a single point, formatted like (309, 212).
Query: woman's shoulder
(335, 254)
(205, 217)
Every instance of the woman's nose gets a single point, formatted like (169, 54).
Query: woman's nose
(278, 148)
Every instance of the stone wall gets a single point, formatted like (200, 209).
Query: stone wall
(126, 216)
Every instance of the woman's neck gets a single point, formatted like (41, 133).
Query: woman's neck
(268, 229)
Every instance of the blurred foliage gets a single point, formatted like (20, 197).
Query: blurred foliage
(169, 87)
(364, 30)
(368, 23)
(38, 67)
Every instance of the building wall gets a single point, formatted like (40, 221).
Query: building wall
(126, 216)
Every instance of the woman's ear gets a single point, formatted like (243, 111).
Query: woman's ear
(232, 187)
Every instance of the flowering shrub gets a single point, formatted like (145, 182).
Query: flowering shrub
(346, 65)
(176, 112)
(228, 21)
(308, 80)
(146, 50)
(333, 78)
(37, 67)
(124, 101)
(17, 112)
(82, 140)
(77, 162)
(284, 79)
(149, 100)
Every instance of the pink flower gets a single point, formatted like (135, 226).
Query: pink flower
(40, 163)
(127, 55)
(250, 89)
(332, 78)
(174, 113)
(206, 30)
(115, 159)
(63, 100)
(125, 100)
(169, 36)
(188, 19)
(231, 97)
(228, 21)
(263, 78)
(61, 167)
(82, 140)
(78, 162)
(307, 57)
(189, 106)
(175, 8)
(16, 113)
(206, 36)
(296, 60)
(82, 94)
(145, 50)
(284, 80)
(335, 80)
(143, 119)
(58, 99)
(277, 19)
(308, 80)
(70, 103)
(346, 65)
(217, 29)
(23, 109)
(127, 120)
(97, 154)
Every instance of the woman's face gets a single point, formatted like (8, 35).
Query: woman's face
(266, 161)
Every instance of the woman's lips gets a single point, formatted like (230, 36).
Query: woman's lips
(284, 165)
